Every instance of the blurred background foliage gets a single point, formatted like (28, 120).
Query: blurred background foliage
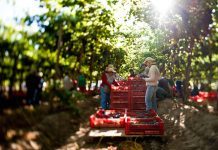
(84, 36)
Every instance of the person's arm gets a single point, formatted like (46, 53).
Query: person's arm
(115, 83)
(144, 74)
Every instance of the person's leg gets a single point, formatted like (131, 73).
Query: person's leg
(35, 97)
(108, 100)
(148, 96)
(30, 96)
(103, 98)
(154, 98)
(181, 95)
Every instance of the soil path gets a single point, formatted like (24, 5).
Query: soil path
(186, 128)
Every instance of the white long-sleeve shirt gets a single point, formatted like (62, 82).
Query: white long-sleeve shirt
(153, 76)
(68, 84)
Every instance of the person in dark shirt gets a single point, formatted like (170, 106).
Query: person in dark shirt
(33, 85)
(179, 88)
(163, 83)
(195, 91)
(164, 89)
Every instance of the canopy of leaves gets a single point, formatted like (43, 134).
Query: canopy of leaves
(85, 36)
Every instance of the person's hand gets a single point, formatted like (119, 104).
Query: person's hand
(138, 77)
(144, 79)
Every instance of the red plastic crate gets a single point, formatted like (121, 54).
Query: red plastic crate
(137, 87)
(138, 99)
(198, 98)
(107, 119)
(119, 94)
(119, 105)
(133, 81)
(143, 120)
(138, 106)
(119, 100)
(137, 102)
(144, 126)
(204, 96)
(140, 113)
(208, 95)
(138, 93)
(123, 83)
(130, 94)
(122, 86)
(212, 94)
(119, 88)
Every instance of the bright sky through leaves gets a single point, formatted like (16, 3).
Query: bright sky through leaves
(11, 9)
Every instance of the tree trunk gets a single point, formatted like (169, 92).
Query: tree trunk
(210, 76)
(91, 68)
(12, 78)
(21, 80)
(187, 72)
(186, 82)
(60, 44)
(80, 57)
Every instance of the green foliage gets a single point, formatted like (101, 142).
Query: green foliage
(78, 95)
(64, 96)
(85, 36)
(75, 33)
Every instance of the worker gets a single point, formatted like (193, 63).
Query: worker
(108, 78)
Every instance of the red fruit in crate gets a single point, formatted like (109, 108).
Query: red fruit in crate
(100, 113)
(102, 116)
(117, 115)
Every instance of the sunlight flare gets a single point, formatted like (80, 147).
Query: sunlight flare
(162, 6)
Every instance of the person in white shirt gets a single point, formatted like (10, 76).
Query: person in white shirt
(68, 84)
(151, 83)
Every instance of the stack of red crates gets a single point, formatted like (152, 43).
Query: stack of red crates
(127, 110)
(139, 121)
(119, 96)
(137, 89)
(115, 117)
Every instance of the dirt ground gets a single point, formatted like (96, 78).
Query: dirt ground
(186, 128)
